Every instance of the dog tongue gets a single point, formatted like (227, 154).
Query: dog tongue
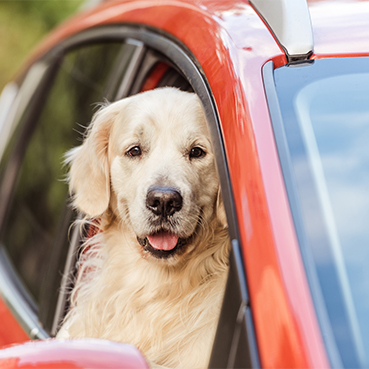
(163, 241)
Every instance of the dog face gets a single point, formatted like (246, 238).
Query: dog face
(149, 157)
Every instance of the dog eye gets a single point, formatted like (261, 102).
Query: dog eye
(197, 152)
(134, 151)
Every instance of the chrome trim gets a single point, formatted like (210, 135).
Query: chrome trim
(289, 21)
(12, 293)
(7, 98)
(132, 69)
(67, 281)
(18, 101)
(12, 290)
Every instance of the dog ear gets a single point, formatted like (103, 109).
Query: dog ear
(220, 211)
(89, 175)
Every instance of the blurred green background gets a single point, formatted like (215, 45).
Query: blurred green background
(23, 24)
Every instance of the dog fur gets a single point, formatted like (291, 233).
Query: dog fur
(127, 290)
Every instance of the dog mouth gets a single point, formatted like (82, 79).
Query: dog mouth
(163, 244)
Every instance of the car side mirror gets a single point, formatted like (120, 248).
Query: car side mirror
(68, 354)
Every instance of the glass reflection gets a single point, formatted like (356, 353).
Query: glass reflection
(325, 112)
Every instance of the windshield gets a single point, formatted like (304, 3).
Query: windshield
(324, 108)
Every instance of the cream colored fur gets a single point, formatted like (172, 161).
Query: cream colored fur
(168, 307)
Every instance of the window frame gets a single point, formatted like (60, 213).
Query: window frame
(236, 313)
(12, 290)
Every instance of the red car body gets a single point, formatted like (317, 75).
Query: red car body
(232, 43)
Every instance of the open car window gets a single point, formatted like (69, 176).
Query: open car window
(37, 235)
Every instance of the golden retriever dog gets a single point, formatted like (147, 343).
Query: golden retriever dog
(154, 274)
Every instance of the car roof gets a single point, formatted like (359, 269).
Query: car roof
(340, 27)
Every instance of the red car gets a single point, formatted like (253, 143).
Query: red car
(287, 103)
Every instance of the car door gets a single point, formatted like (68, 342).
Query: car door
(38, 244)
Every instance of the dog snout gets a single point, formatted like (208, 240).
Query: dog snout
(164, 201)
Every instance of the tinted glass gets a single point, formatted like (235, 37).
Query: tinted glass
(325, 112)
(35, 233)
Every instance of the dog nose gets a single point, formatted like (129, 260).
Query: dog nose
(164, 201)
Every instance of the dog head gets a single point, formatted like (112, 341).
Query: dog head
(150, 160)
